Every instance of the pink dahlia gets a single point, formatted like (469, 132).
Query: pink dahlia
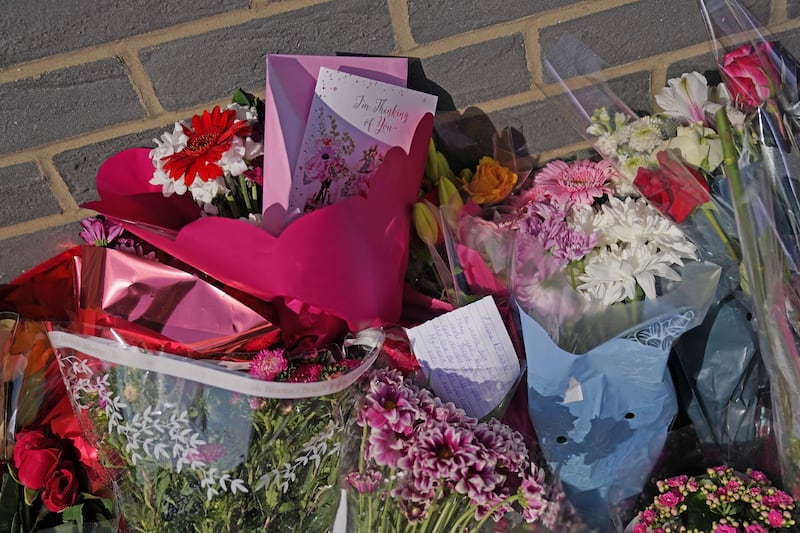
(579, 183)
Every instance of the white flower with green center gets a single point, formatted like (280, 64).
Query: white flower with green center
(699, 146)
(646, 134)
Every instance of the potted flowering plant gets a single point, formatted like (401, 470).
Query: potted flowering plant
(720, 501)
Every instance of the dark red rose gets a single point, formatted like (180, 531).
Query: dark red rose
(36, 457)
(750, 74)
(673, 188)
(62, 487)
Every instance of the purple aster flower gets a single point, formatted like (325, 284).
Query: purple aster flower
(507, 444)
(479, 479)
(268, 364)
(386, 447)
(366, 482)
(98, 231)
(389, 407)
(444, 450)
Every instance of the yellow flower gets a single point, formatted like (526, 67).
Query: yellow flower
(491, 182)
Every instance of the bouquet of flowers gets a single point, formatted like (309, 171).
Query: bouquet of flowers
(722, 500)
(593, 271)
(218, 159)
(761, 163)
(50, 476)
(195, 446)
(423, 465)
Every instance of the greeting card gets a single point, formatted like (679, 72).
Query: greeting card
(353, 121)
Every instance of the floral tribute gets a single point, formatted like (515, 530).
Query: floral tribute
(721, 501)
(217, 159)
(423, 463)
(49, 476)
(191, 457)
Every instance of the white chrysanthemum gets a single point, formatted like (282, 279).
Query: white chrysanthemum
(633, 222)
(206, 191)
(232, 160)
(167, 184)
(611, 276)
(243, 112)
(645, 134)
(168, 144)
(607, 145)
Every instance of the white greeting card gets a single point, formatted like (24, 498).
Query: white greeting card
(468, 356)
(353, 121)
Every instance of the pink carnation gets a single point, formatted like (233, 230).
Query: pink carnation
(775, 518)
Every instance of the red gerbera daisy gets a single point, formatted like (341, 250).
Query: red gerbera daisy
(210, 136)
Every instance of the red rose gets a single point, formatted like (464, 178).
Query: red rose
(61, 489)
(673, 188)
(36, 456)
(750, 74)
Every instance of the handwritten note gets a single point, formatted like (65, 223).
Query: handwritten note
(468, 356)
(353, 121)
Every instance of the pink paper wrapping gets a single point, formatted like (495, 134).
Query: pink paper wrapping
(348, 259)
(170, 302)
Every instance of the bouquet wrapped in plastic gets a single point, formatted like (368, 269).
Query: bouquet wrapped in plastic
(195, 446)
(51, 480)
(761, 162)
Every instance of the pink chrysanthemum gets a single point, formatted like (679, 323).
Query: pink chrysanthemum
(268, 364)
(386, 447)
(443, 450)
(389, 407)
(99, 231)
(578, 183)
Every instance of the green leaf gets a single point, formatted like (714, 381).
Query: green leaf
(74, 513)
(9, 503)
(240, 97)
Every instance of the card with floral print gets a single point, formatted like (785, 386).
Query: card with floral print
(352, 122)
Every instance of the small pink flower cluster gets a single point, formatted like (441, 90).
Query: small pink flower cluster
(431, 452)
(319, 365)
(730, 501)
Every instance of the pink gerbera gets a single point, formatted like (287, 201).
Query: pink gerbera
(268, 364)
(579, 182)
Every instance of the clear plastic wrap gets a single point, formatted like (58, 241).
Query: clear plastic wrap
(195, 445)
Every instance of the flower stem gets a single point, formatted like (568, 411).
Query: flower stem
(732, 251)
(385, 512)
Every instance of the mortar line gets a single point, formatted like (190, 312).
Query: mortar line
(36, 67)
(401, 25)
(141, 82)
(43, 223)
(56, 184)
(779, 12)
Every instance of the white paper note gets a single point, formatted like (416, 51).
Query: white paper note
(468, 356)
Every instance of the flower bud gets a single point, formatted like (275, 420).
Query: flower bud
(450, 199)
(425, 223)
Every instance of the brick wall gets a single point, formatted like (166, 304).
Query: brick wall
(82, 79)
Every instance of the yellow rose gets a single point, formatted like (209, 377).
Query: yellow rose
(491, 182)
